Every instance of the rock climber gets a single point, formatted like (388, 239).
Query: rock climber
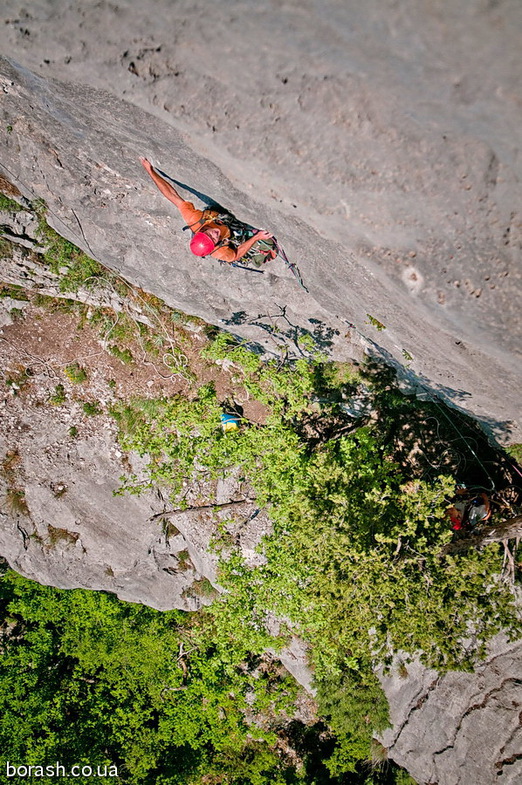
(211, 237)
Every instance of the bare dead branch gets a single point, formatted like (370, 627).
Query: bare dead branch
(180, 510)
(508, 530)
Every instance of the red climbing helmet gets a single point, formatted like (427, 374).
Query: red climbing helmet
(201, 244)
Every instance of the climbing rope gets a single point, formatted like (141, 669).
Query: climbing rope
(291, 265)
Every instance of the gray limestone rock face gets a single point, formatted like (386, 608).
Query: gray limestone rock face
(71, 530)
(78, 148)
(21, 265)
(460, 728)
(64, 518)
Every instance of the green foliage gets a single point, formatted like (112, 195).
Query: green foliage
(56, 304)
(173, 432)
(355, 706)
(353, 566)
(375, 322)
(286, 389)
(177, 362)
(354, 560)
(125, 355)
(8, 204)
(515, 450)
(15, 292)
(75, 373)
(116, 327)
(58, 397)
(6, 247)
(16, 314)
(91, 408)
(184, 560)
(202, 588)
(85, 678)
(18, 380)
(343, 374)
(403, 778)
(74, 267)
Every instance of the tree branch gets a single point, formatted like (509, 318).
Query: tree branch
(508, 530)
(180, 510)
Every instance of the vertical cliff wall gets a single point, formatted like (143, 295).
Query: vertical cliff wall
(77, 148)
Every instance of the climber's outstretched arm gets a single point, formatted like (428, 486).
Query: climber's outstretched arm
(166, 188)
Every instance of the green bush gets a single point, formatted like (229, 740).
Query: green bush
(91, 408)
(58, 397)
(15, 292)
(515, 450)
(16, 314)
(125, 355)
(8, 204)
(375, 322)
(75, 373)
(85, 678)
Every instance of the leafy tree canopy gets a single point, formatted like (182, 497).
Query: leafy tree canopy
(353, 566)
(354, 562)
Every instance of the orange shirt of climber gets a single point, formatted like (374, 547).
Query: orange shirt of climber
(199, 219)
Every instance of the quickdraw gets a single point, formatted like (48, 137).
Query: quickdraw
(291, 265)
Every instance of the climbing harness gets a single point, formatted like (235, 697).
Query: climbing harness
(239, 232)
